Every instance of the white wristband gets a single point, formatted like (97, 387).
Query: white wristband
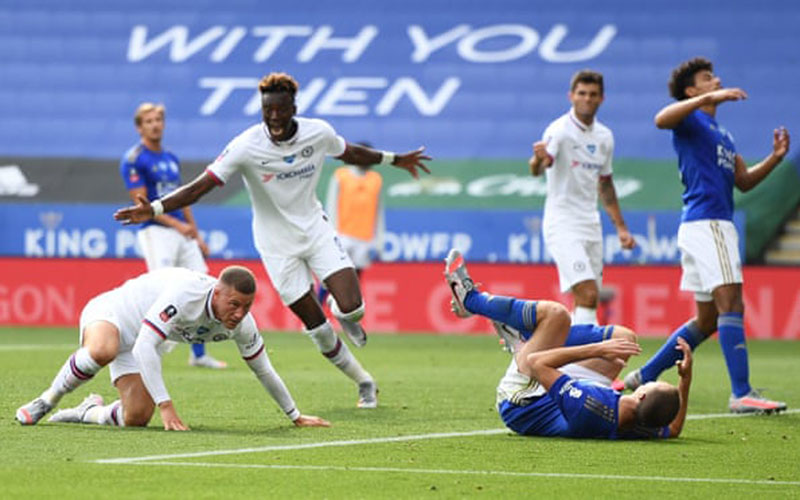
(387, 158)
(158, 208)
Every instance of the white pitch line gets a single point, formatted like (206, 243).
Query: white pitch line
(340, 468)
(36, 347)
(325, 444)
(733, 415)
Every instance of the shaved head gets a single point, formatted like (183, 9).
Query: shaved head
(239, 278)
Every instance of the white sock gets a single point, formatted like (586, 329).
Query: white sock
(337, 352)
(110, 414)
(584, 315)
(77, 370)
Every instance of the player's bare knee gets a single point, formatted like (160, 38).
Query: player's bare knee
(554, 312)
(137, 415)
(102, 353)
(623, 332)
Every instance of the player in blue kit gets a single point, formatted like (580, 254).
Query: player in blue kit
(558, 382)
(171, 239)
(712, 268)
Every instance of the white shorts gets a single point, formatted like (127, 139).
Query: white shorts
(292, 275)
(106, 307)
(357, 250)
(163, 246)
(709, 256)
(577, 259)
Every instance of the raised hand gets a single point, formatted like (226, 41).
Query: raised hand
(780, 142)
(140, 212)
(684, 365)
(540, 150)
(411, 161)
(311, 421)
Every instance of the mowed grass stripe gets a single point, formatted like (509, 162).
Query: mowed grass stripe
(566, 475)
(355, 442)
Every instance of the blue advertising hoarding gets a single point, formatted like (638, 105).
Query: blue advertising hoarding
(514, 236)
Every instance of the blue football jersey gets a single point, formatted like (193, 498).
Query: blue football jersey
(592, 411)
(706, 159)
(159, 172)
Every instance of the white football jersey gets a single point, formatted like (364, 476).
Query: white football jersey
(281, 179)
(175, 303)
(581, 154)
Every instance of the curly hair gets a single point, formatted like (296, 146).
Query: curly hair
(586, 76)
(683, 76)
(659, 407)
(278, 82)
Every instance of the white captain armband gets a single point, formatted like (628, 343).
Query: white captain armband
(158, 208)
(387, 157)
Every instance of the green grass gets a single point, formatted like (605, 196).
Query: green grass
(429, 384)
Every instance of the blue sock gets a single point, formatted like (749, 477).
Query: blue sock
(322, 294)
(199, 350)
(588, 334)
(734, 348)
(516, 313)
(666, 357)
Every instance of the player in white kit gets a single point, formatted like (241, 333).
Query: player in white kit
(172, 239)
(126, 328)
(280, 161)
(576, 153)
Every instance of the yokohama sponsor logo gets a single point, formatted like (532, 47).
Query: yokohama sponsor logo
(302, 172)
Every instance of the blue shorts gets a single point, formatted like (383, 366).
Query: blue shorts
(540, 418)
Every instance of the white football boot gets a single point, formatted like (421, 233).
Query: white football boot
(32, 412)
(457, 277)
(75, 415)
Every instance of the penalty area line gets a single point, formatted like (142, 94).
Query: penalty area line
(611, 477)
(355, 442)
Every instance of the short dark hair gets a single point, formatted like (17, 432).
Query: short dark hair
(683, 76)
(239, 278)
(278, 82)
(586, 76)
(659, 406)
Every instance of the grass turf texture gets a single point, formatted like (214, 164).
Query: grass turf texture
(429, 384)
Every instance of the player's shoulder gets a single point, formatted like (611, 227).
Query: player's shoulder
(133, 153)
(558, 125)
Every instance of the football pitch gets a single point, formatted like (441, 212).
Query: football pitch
(435, 434)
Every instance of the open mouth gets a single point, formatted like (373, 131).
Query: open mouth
(276, 129)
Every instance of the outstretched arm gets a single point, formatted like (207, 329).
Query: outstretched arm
(608, 197)
(145, 351)
(672, 115)
(355, 154)
(748, 178)
(544, 365)
(273, 383)
(685, 372)
(181, 197)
